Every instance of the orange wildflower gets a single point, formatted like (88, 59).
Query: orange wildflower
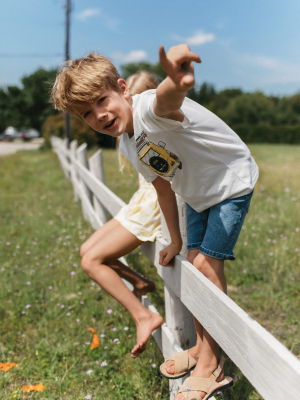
(36, 388)
(96, 340)
(7, 366)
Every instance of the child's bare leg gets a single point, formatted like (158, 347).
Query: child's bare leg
(98, 235)
(194, 351)
(208, 359)
(141, 285)
(97, 264)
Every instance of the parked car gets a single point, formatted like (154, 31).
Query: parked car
(29, 134)
(11, 133)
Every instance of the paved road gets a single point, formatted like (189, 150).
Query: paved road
(12, 147)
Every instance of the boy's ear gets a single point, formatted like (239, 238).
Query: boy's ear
(123, 87)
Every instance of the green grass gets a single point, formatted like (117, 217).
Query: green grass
(41, 229)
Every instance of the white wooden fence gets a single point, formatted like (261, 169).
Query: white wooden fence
(270, 367)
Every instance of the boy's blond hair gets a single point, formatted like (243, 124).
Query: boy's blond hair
(82, 80)
(137, 83)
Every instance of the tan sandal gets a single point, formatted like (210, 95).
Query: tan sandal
(192, 385)
(183, 363)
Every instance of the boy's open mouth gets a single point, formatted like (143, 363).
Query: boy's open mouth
(111, 124)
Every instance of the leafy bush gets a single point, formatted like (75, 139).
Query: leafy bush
(265, 133)
(81, 131)
(54, 126)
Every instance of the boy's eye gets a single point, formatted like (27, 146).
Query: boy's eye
(86, 114)
(101, 99)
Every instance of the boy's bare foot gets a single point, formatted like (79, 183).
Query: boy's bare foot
(144, 330)
(170, 365)
(143, 287)
(203, 372)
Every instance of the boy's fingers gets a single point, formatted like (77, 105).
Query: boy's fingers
(186, 60)
(164, 259)
(195, 57)
(162, 54)
(187, 81)
(170, 264)
(162, 256)
(161, 51)
(163, 60)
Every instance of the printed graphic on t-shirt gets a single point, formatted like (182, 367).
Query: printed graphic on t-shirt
(156, 157)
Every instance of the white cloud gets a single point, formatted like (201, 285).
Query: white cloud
(197, 39)
(110, 23)
(278, 71)
(88, 13)
(132, 57)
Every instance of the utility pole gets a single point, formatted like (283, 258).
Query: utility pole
(67, 117)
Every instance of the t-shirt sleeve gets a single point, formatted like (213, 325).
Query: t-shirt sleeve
(148, 175)
(154, 123)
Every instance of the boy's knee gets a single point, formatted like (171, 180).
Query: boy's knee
(208, 266)
(190, 258)
(201, 265)
(192, 254)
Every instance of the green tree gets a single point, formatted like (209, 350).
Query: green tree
(223, 98)
(3, 109)
(29, 106)
(204, 95)
(36, 93)
(249, 108)
(288, 110)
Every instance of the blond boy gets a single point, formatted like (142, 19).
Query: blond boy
(180, 147)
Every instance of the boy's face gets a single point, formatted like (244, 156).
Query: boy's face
(111, 113)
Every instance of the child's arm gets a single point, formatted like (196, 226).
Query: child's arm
(177, 63)
(168, 205)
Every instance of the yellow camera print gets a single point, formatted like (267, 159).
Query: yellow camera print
(156, 157)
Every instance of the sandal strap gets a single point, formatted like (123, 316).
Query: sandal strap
(219, 369)
(183, 361)
(194, 383)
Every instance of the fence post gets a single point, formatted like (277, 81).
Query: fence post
(73, 148)
(178, 318)
(96, 167)
(65, 152)
(82, 158)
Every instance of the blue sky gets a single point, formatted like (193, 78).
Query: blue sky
(253, 45)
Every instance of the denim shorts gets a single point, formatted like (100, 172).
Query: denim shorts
(215, 231)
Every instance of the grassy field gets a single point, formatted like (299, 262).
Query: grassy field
(47, 304)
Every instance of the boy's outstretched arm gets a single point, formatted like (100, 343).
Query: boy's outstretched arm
(168, 205)
(177, 63)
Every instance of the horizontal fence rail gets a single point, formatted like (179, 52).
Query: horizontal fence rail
(270, 367)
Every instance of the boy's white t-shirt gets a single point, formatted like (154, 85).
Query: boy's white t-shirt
(204, 159)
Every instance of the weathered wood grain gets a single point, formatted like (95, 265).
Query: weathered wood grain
(271, 368)
(96, 168)
(113, 203)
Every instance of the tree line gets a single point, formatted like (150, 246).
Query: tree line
(256, 117)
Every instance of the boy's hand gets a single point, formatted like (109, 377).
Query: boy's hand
(166, 255)
(177, 63)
